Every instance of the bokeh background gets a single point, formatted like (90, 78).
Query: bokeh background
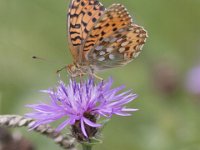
(168, 118)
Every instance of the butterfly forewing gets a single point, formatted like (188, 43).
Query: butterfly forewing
(82, 16)
(114, 18)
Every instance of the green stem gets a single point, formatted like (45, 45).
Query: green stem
(86, 147)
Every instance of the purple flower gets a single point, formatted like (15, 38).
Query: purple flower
(193, 80)
(82, 104)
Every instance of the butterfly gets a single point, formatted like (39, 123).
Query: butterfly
(101, 38)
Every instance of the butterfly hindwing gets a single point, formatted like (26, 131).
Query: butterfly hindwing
(114, 40)
(118, 49)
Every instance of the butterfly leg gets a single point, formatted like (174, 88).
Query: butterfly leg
(81, 79)
(96, 76)
(92, 73)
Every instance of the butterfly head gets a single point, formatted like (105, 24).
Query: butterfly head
(74, 70)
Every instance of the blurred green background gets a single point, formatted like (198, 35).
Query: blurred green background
(168, 118)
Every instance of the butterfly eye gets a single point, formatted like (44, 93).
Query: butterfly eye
(71, 69)
(74, 71)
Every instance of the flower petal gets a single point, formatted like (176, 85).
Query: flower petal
(83, 128)
(90, 123)
(63, 125)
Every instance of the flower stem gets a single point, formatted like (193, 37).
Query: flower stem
(86, 147)
(64, 141)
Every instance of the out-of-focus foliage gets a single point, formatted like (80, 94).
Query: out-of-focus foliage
(168, 118)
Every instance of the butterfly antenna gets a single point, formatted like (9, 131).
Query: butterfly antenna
(38, 58)
(43, 59)
(61, 69)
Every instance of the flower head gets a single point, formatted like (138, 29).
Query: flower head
(193, 80)
(82, 104)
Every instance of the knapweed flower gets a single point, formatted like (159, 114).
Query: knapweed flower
(193, 80)
(82, 104)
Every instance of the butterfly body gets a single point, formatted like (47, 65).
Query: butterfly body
(101, 38)
(75, 70)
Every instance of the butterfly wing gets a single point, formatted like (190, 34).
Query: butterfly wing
(114, 40)
(118, 49)
(82, 16)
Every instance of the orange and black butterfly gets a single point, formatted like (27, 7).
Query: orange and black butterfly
(101, 38)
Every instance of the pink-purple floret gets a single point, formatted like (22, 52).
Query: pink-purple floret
(193, 81)
(75, 99)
